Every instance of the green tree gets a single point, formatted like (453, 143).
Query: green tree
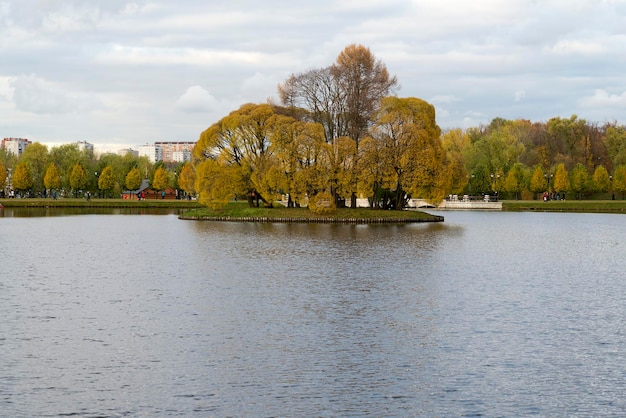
(65, 157)
(601, 181)
(615, 137)
(561, 180)
(106, 181)
(78, 178)
(579, 179)
(36, 156)
(133, 179)
(516, 180)
(22, 179)
(52, 179)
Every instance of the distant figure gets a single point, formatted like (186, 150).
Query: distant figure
(163, 194)
(54, 195)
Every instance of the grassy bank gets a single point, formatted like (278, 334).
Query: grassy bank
(590, 206)
(240, 211)
(98, 203)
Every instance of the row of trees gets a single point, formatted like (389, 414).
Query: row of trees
(69, 170)
(521, 157)
(338, 133)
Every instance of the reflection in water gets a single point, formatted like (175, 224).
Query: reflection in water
(486, 314)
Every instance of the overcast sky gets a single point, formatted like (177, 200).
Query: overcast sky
(122, 73)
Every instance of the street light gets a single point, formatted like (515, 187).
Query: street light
(611, 187)
(495, 178)
(548, 177)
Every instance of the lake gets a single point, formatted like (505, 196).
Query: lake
(486, 314)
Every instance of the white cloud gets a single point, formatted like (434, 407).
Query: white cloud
(36, 95)
(602, 98)
(133, 55)
(196, 100)
(519, 95)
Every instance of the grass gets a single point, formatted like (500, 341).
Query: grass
(241, 211)
(590, 206)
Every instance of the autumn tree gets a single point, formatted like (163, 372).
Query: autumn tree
(132, 181)
(363, 81)
(22, 180)
(410, 150)
(78, 178)
(187, 178)
(516, 180)
(600, 180)
(52, 179)
(246, 138)
(343, 98)
(619, 179)
(561, 180)
(215, 183)
(160, 180)
(3, 176)
(106, 181)
(456, 143)
(579, 179)
(538, 181)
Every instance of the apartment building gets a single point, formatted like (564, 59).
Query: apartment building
(15, 145)
(175, 151)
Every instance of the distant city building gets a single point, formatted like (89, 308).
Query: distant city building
(15, 145)
(181, 156)
(175, 151)
(84, 146)
(126, 151)
(153, 152)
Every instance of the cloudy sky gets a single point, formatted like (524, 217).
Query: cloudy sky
(128, 72)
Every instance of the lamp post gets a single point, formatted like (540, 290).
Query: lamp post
(548, 177)
(495, 178)
(611, 187)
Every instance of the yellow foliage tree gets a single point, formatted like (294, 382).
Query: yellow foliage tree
(132, 180)
(187, 179)
(22, 179)
(52, 179)
(160, 180)
(215, 183)
(410, 150)
(106, 181)
(561, 179)
(3, 176)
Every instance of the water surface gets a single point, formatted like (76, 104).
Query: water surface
(494, 314)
